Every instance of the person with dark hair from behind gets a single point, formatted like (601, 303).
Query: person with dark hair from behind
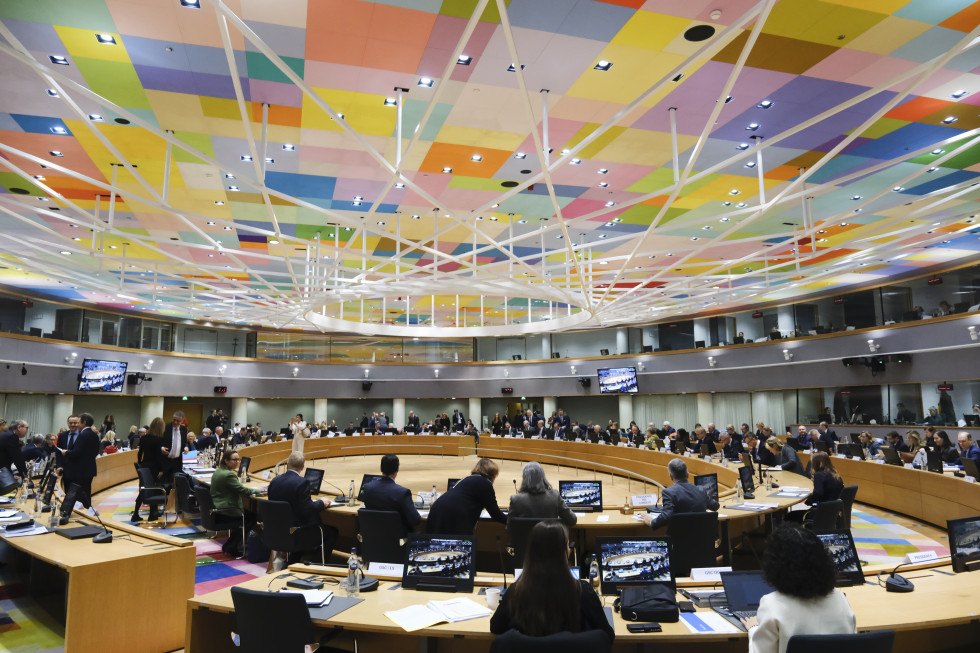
(385, 494)
(827, 484)
(457, 511)
(536, 498)
(784, 456)
(682, 496)
(148, 456)
(292, 488)
(547, 599)
(805, 601)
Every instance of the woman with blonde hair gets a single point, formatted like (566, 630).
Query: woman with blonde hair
(109, 442)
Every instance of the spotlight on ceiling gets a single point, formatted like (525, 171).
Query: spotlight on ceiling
(712, 361)
(973, 333)
(70, 358)
(787, 354)
(873, 346)
(148, 365)
(295, 372)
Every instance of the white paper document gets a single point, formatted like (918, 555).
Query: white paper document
(416, 617)
(707, 622)
(315, 598)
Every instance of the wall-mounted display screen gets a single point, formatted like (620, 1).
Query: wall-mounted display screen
(614, 380)
(102, 376)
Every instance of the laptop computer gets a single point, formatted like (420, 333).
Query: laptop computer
(314, 477)
(367, 479)
(970, 467)
(743, 591)
(891, 456)
(840, 545)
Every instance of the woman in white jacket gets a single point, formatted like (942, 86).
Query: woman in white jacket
(805, 601)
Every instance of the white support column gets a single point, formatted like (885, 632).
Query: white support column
(622, 342)
(239, 411)
(397, 417)
(151, 407)
(475, 411)
(546, 345)
(320, 410)
(550, 406)
(625, 410)
(61, 408)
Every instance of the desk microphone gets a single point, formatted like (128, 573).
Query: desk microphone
(897, 583)
(101, 538)
(341, 498)
(503, 567)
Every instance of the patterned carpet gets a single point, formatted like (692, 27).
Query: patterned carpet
(26, 628)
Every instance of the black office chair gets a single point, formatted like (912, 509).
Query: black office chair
(877, 641)
(590, 641)
(255, 610)
(847, 496)
(380, 536)
(279, 534)
(185, 500)
(692, 541)
(153, 492)
(519, 529)
(213, 519)
(824, 516)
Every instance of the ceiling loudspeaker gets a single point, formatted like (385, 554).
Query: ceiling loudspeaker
(366, 385)
(585, 381)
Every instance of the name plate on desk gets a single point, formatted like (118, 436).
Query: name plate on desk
(385, 569)
(840, 455)
(643, 500)
(856, 458)
(908, 466)
(969, 479)
(708, 573)
(879, 461)
(921, 556)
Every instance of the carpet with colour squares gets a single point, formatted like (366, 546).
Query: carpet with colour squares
(26, 628)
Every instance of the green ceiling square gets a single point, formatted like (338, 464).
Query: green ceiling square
(84, 14)
(260, 67)
(116, 81)
(464, 9)
(200, 142)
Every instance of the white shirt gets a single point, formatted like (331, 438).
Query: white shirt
(781, 616)
(175, 444)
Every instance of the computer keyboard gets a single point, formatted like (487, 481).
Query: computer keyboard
(744, 614)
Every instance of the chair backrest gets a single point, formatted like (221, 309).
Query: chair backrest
(255, 610)
(692, 541)
(145, 476)
(277, 522)
(847, 496)
(876, 641)
(590, 641)
(380, 534)
(206, 503)
(182, 486)
(826, 514)
(520, 529)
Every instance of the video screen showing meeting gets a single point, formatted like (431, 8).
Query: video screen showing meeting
(581, 495)
(366, 480)
(964, 543)
(439, 562)
(625, 561)
(617, 380)
(709, 483)
(102, 376)
(840, 545)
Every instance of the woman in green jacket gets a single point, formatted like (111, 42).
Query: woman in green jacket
(227, 492)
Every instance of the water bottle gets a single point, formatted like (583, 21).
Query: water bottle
(739, 491)
(350, 493)
(594, 572)
(353, 582)
(435, 493)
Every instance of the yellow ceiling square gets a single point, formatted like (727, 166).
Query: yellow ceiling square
(214, 107)
(365, 112)
(634, 71)
(888, 34)
(649, 30)
(643, 147)
(820, 22)
(83, 43)
(499, 140)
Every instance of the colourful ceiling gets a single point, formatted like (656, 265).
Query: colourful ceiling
(501, 165)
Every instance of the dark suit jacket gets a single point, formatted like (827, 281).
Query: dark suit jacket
(167, 463)
(732, 449)
(11, 454)
(458, 420)
(148, 455)
(385, 494)
(413, 423)
(563, 420)
(294, 490)
(790, 461)
(457, 511)
(80, 459)
(683, 497)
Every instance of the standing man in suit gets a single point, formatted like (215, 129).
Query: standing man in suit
(174, 441)
(682, 496)
(562, 420)
(385, 494)
(79, 455)
(292, 488)
(412, 424)
(10, 451)
(459, 422)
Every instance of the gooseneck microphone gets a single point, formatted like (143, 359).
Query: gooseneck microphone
(341, 498)
(896, 582)
(101, 538)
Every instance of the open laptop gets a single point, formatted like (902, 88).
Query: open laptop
(891, 456)
(840, 545)
(743, 591)
(367, 479)
(970, 467)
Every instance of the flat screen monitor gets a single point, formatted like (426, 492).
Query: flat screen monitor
(243, 466)
(451, 483)
(934, 461)
(367, 479)
(840, 546)
(891, 456)
(676, 446)
(581, 495)
(820, 445)
(745, 476)
(710, 484)
(970, 467)
(440, 563)
(971, 419)
(964, 543)
(314, 477)
(617, 380)
(102, 376)
(747, 461)
(632, 561)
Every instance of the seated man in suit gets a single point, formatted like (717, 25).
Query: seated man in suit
(682, 496)
(760, 455)
(730, 449)
(785, 456)
(896, 441)
(966, 446)
(292, 488)
(385, 494)
(545, 432)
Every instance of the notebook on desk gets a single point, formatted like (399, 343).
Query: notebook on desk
(78, 532)
(743, 591)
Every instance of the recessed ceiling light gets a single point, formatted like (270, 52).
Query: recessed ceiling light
(381, 223)
(494, 206)
(356, 203)
(73, 226)
(414, 217)
(898, 189)
(288, 147)
(390, 102)
(269, 160)
(476, 157)
(426, 82)
(726, 203)
(273, 241)
(678, 78)
(399, 185)
(603, 184)
(617, 219)
(58, 129)
(246, 157)
(742, 146)
(210, 222)
(94, 117)
(858, 210)
(937, 151)
(108, 39)
(233, 188)
(602, 235)
(610, 203)
(358, 198)
(575, 162)
(520, 155)
(210, 255)
(218, 203)
(603, 65)
(511, 68)
(750, 164)
(765, 104)
(822, 231)
(447, 170)
(741, 205)
(753, 126)
(856, 197)
(948, 120)
(76, 239)
(113, 247)
(227, 228)
(945, 242)
(194, 4)
(55, 153)
(464, 60)
(559, 236)
(58, 59)
(603, 171)
(734, 191)
(694, 238)
(729, 99)
(522, 222)
(493, 218)
(932, 169)
(821, 240)
(724, 219)
(52, 92)
(706, 227)
(845, 224)
(960, 93)
(66, 252)
(228, 175)
(43, 199)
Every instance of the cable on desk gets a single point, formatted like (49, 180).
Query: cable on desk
(288, 574)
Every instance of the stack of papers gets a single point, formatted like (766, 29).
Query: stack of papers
(416, 617)
(755, 506)
(37, 529)
(314, 598)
